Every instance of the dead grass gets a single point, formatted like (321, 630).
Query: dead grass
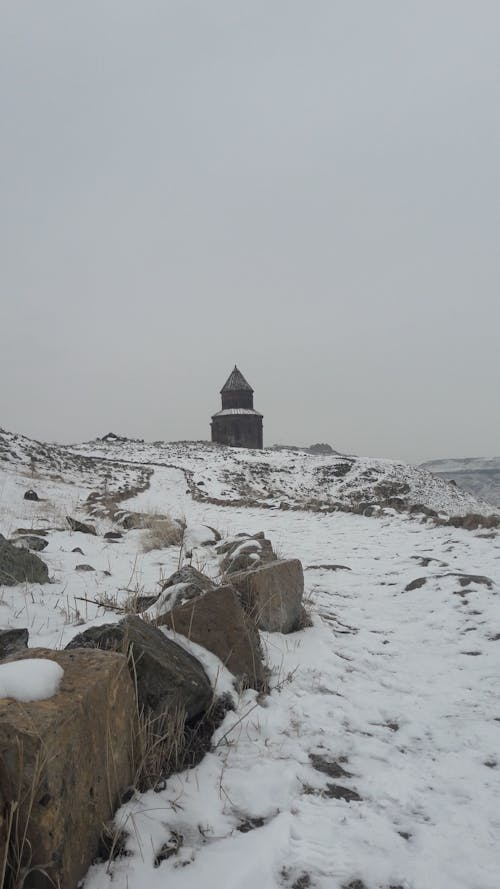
(158, 747)
(16, 860)
(161, 533)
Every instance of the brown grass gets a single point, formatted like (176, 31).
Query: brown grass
(160, 533)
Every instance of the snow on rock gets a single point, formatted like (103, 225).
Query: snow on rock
(32, 679)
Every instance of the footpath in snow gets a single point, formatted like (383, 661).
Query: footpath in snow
(375, 758)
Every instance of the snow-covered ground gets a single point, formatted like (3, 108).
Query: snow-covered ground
(376, 756)
(292, 479)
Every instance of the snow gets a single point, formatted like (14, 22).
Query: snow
(398, 688)
(32, 679)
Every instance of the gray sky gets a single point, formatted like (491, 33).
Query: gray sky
(309, 189)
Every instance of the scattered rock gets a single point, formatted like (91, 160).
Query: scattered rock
(463, 579)
(167, 676)
(82, 527)
(328, 767)
(113, 535)
(195, 581)
(420, 509)
(272, 595)
(19, 565)
(39, 532)
(333, 791)
(12, 641)
(78, 550)
(58, 753)
(328, 568)
(245, 552)
(248, 824)
(84, 568)
(473, 520)
(217, 620)
(415, 584)
(36, 544)
(31, 495)
(466, 579)
(132, 521)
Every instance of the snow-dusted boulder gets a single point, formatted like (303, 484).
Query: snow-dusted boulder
(272, 595)
(216, 620)
(19, 565)
(244, 552)
(166, 675)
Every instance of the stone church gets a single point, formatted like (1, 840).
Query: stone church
(237, 424)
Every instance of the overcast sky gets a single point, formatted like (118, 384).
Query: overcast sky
(308, 189)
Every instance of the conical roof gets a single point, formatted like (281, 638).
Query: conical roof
(236, 382)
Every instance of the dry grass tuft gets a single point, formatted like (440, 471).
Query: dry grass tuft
(162, 532)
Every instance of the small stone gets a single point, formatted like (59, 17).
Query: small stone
(82, 527)
(12, 641)
(36, 544)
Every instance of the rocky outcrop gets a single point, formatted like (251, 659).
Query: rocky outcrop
(19, 565)
(272, 595)
(71, 756)
(82, 527)
(217, 621)
(165, 674)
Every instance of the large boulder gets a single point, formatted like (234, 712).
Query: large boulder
(217, 621)
(272, 595)
(12, 641)
(66, 760)
(166, 675)
(19, 565)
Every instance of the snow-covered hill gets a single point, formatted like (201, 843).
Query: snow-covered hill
(294, 480)
(479, 476)
(374, 761)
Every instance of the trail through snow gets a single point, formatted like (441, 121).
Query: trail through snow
(376, 756)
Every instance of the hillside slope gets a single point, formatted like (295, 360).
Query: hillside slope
(295, 480)
(477, 475)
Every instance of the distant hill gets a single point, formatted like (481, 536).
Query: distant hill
(477, 475)
(275, 479)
